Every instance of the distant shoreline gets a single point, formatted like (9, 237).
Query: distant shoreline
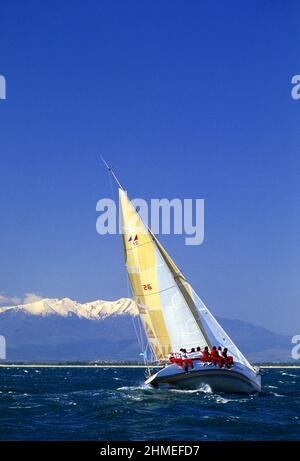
(110, 365)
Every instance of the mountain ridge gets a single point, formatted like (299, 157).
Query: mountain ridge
(93, 310)
(64, 329)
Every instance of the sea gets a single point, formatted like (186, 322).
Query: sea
(112, 404)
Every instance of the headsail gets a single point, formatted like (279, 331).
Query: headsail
(172, 314)
(211, 329)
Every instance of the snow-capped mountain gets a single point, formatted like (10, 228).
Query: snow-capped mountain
(95, 310)
(64, 329)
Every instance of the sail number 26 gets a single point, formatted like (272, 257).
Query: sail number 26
(148, 286)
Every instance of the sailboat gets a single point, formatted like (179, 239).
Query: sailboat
(172, 314)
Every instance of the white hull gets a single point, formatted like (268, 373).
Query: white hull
(239, 379)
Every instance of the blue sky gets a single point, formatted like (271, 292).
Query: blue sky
(186, 99)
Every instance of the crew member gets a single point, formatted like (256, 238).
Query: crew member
(216, 358)
(206, 357)
(228, 359)
(175, 358)
(193, 354)
(186, 360)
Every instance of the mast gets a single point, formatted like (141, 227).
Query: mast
(109, 168)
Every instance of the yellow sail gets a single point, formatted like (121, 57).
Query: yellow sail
(141, 267)
(163, 297)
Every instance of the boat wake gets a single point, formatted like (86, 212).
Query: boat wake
(283, 373)
(204, 388)
(134, 388)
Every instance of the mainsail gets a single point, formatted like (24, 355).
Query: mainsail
(172, 314)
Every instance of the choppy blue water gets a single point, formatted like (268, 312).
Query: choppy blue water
(114, 404)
